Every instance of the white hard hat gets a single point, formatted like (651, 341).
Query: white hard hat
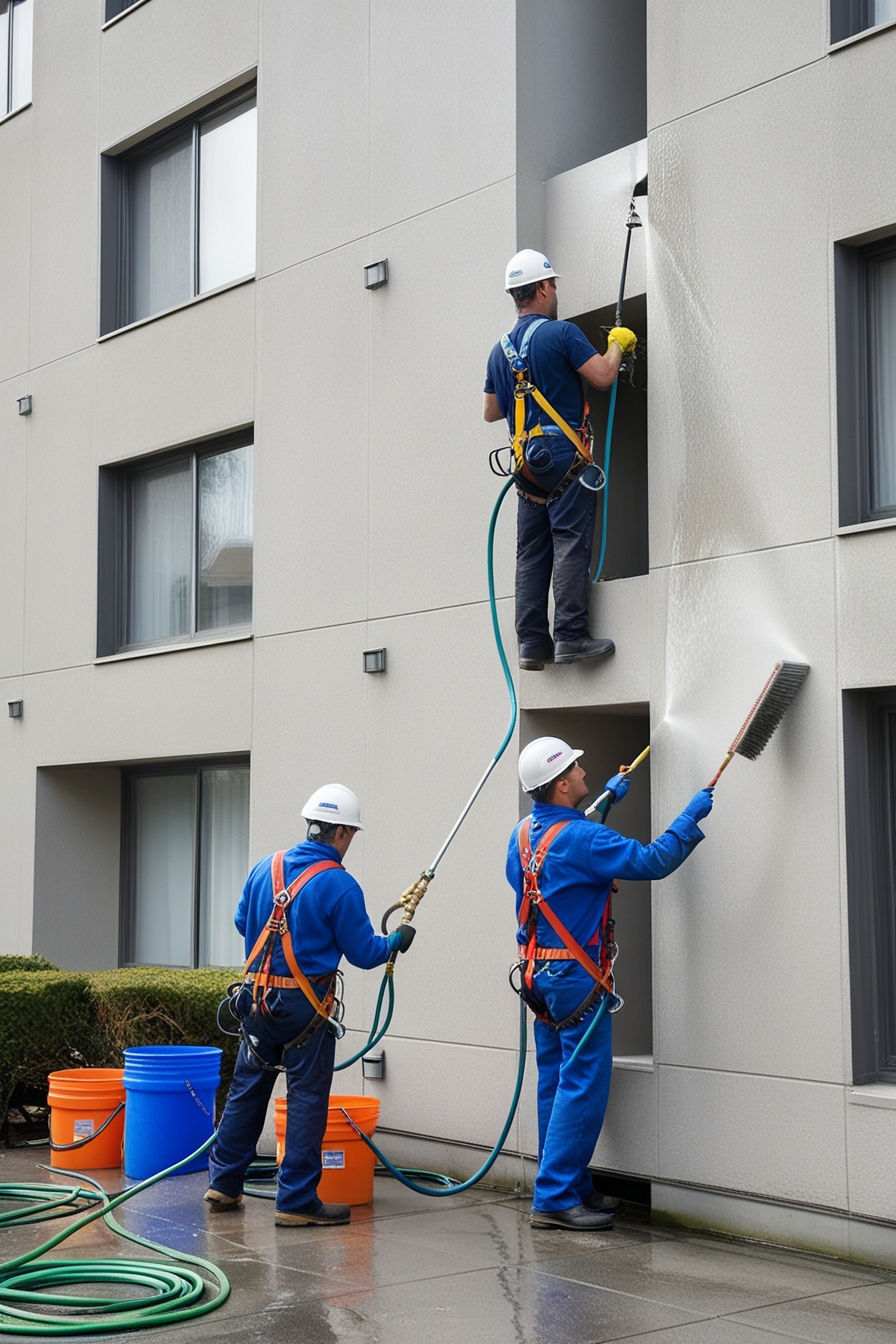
(335, 804)
(545, 759)
(527, 268)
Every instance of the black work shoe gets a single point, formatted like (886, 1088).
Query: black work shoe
(533, 660)
(325, 1215)
(599, 1203)
(576, 649)
(579, 1219)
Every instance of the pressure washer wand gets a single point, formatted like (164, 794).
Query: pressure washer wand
(626, 770)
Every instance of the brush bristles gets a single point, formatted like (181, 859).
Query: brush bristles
(770, 709)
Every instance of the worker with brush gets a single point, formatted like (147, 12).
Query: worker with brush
(562, 868)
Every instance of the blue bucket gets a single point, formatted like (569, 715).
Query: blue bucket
(170, 1111)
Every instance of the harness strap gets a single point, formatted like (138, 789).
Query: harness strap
(524, 387)
(261, 979)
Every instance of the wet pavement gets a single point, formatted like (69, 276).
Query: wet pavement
(470, 1268)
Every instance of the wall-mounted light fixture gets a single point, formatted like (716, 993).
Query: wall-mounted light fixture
(374, 1066)
(374, 660)
(376, 274)
(15, 708)
(24, 404)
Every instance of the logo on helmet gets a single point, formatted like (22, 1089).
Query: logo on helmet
(334, 806)
(547, 265)
(511, 274)
(554, 757)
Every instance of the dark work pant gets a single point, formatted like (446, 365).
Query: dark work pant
(309, 1073)
(554, 539)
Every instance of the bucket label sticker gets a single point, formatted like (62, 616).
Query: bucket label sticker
(83, 1128)
(333, 1159)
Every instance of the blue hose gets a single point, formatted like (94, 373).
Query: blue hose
(608, 443)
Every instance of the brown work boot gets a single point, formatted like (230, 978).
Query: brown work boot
(221, 1203)
(325, 1215)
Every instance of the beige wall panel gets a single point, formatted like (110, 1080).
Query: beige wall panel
(870, 1138)
(867, 619)
(747, 934)
(195, 702)
(61, 535)
(431, 491)
(740, 437)
(628, 1141)
(778, 1137)
(65, 220)
(313, 131)
(311, 460)
(16, 431)
(430, 140)
(699, 52)
(181, 377)
(619, 611)
(16, 173)
(166, 54)
(16, 820)
(589, 259)
(860, 115)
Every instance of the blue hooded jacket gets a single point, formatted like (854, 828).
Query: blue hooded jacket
(327, 920)
(583, 862)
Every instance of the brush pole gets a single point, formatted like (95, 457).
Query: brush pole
(626, 770)
(724, 766)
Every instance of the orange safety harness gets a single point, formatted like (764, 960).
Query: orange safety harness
(601, 971)
(257, 971)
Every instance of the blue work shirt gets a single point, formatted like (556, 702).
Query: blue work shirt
(557, 351)
(327, 920)
(583, 862)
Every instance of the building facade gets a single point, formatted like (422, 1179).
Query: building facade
(231, 467)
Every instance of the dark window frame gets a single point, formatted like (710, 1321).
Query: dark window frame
(869, 740)
(113, 560)
(127, 896)
(855, 429)
(115, 269)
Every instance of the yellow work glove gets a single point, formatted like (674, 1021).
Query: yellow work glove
(625, 339)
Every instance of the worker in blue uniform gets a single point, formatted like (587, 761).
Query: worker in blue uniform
(555, 512)
(575, 878)
(281, 1031)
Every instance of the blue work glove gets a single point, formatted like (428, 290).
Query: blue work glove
(618, 786)
(401, 939)
(700, 805)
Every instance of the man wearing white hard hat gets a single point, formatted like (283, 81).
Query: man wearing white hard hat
(300, 913)
(562, 867)
(555, 510)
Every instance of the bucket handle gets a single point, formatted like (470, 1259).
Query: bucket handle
(196, 1097)
(88, 1138)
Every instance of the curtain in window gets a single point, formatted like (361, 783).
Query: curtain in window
(882, 362)
(160, 527)
(22, 42)
(224, 862)
(225, 539)
(160, 228)
(164, 844)
(227, 175)
(4, 57)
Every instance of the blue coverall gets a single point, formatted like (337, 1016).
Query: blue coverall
(327, 920)
(554, 537)
(575, 879)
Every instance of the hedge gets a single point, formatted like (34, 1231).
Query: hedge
(52, 1019)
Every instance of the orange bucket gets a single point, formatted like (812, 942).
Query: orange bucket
(80, 1100)
(348, 1163)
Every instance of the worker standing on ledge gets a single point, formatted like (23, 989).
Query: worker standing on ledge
(555, 515)
(560, 862)
(300, 913)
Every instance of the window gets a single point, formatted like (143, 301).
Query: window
(869, 727)
(185, 856)
(176, 547)
(179, 214)
(866, 393)
(849, 17)
(115, 7)
(16, 28)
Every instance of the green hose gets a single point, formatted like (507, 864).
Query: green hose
(25, 1287)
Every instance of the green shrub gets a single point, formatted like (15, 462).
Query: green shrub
(13, 963)
(148, 1005)
(46, 1023)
